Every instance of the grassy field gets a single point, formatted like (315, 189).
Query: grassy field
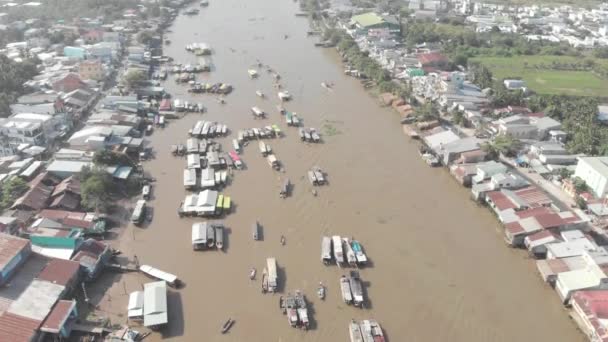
(537, 72)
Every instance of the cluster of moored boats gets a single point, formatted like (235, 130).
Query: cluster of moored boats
(210, 88)
(188, 68)
(296, 309)
(351, 289)
(199, 49)
(208, 129)
(342, 251)
(267, 132)
(309, 135)
(177, 105)
(207, 235)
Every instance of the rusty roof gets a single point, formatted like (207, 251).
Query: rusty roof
(59, 271)
(15, 328)
(10, 246)
(35, 198)
(70, 184)
(58, 316)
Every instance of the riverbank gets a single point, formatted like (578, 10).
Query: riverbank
(440, 272)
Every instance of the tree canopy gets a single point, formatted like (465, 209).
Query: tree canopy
(12, 190)
(502, 144)
(12, 77)
(134, 77)
(96, 185)
(110, 158)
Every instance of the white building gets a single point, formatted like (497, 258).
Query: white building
(594, 171)
(590, 277)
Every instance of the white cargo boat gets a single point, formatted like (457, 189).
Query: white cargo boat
(345, 290)
(338, 254)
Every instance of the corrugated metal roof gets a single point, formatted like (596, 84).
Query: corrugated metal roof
(15, 328)
(58, 316)
(10, 246)
(37, 300)
(155, 303)
(59, 271)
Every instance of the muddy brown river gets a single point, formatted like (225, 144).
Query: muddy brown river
(439, 268)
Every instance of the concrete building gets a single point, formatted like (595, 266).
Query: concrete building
(594, 171)
(592, 277)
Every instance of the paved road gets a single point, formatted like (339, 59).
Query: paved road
(557, 195)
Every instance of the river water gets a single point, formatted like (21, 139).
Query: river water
(440, 270)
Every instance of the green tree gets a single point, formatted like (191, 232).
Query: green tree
(426, 112)
(564, 173)
(134, 77)
(579, 185)
(96, 187)
(111, 158)
(12, 190)
(458, 117)
(502, 144)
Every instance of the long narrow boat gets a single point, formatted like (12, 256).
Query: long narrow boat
(355, 331)
(227, 325)
(338, 252)
(219, 236)
(356, 288)
(210, 236)
(345, 290)
(161, 275)
(255, 230)
(350, 254)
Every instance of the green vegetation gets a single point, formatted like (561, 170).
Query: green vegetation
(361, 61)
(96, 186)
(52, 10)
(134, 77)
(12, 77)
(426, 112)
(552, 74)
(578, 116)
(12, 190)
(111, 158)
(502, 144)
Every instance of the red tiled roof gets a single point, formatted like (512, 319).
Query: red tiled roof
(501, 201)
(550, 220)
(594, 305)
(533, 212)
(533, 196)
(59, 271)
(9, 247)
(541, 235)
(15, 328)
(56, 319)
(514, 228)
